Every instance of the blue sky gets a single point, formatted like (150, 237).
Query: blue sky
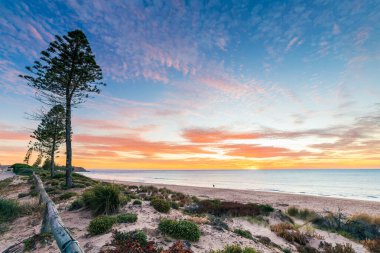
(299, 80)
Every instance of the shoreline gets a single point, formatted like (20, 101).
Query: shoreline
(276, 199)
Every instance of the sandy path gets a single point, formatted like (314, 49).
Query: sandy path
(278, 200)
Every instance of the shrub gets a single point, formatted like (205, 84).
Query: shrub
(234, 209)
(22, 169)
(136, 235)
(126, 218)
(102, 199)
(218, 223)
(67, 195)
(358, 228)
(372, 245)
(31, 243)
(9, 210)
(235, 249)
(76, 204)
(174, 205)
(289, 233)
(338, 248)
(137, 202)
(101, 225)
(33, 193)
(23, 194)
(243, 233)
(124, 200)
(375, 220)
(293, 211)
(183, 229)
(303, 214)
(160, 205)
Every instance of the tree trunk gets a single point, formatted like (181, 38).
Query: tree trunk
(69, 179)
(52, 165)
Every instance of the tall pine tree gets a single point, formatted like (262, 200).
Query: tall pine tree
(66, 74)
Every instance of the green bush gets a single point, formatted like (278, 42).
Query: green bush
(183, 229)
(126, 218)
(22, 169)
(101, 225)
(235, 249)
(124, 200)
(160, 205)
(137, 202)
(9, 210)
(67, 195)
(234, 209)
(175, 205)
(23, 194)
(243, 233)
(303, 214)
(102, 199)
(76, 204)
(131, 236)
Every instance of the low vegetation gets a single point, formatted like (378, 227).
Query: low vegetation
(372, 245)
(290, 233)
(243, 233)
(303, 214)
(126, 218)
(183, 229)
(137, 242)
(101, 225)
(161, 205)
(234, 209)
(137, 202)
(30, 244)
(76, 204)
(326, 247)
(235, 249)
(67, 195)
(9, 210)
(102, 199)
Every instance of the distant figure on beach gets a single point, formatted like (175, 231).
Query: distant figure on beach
(213, 185)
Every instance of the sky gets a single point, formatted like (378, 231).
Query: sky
(206, 84)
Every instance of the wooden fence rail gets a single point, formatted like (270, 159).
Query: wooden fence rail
(52, 222)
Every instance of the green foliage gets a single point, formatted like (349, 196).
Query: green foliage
(124, 199)
(218, 223)
(101, 225)
(354, 228)
(234, 209)
(183, 229)
(20, 166)
(102, 199)
(160, 205)
(67, 195)
(243, 233)
(31, 243)
(66, 73)
(33, 193)
(126, 218)
(174, 205)
(9, 210)
(137, 202)
(235, 249)
(76, 204)
(303, 214)
(131, 236)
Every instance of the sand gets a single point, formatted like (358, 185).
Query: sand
(278, 200)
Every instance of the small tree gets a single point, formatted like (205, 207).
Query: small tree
(50, 134)
(66, 73)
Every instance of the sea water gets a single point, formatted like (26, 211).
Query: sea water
(363, 184)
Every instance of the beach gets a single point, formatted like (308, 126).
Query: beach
(279, 200)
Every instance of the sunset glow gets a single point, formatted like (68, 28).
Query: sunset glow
(204, 85)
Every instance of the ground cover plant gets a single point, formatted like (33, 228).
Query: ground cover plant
(182, 229)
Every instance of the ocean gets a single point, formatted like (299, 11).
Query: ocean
(352, 184)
